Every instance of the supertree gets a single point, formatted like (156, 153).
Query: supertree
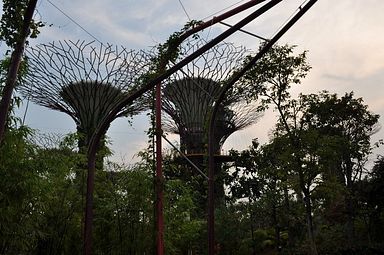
(85, 81)
(190, 95)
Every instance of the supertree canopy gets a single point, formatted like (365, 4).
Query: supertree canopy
(83, 80)
(190, 94)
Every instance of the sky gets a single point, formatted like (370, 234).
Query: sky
(344, 40)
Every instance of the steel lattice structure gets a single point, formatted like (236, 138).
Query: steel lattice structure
(189, 96)
(83, 80)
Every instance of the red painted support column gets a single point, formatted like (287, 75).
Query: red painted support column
(159, 177)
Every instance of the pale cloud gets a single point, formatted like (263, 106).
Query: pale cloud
(345, 36)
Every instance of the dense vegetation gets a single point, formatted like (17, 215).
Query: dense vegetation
(278, 193)
(307, 191)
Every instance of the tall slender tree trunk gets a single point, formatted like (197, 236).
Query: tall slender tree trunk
(251, 215)
(308, 212)
(287, 206)
(349, 203)
(14, 67)
(253, 238)
(277, 228)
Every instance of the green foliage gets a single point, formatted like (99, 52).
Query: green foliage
(371, 193)
(170, 50)
(166, 53)
(12, 21)
(273, 75)
(61, 190)
(41, 198)
(16, 101)
(4, 66)
(183, 231)
(123, 210)
(17, 193)
(317, 137)
(38, 196)
(346, 117)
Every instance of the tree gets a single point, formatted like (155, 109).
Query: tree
(40, 202)
(330, 138)
(15, 25)
(261, 177)
(349, 121)
(183, 231)
(273, 75)
(325, 141)
(17, 190)
(371, 193)
(124, 217)
(60, 193)
(270, 80)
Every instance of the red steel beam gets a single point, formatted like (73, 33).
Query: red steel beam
(159, 177)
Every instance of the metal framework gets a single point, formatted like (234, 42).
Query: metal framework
(190, 94)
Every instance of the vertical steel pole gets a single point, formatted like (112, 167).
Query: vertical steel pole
(159, 177)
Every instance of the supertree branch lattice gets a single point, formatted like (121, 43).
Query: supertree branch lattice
(83, 80)
(190, 94)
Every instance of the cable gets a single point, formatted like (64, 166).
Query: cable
(185, 157)
(185, 11)
(289, 18)
(246, 32)
(226, 24)
(26, 110)
(75, 22)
